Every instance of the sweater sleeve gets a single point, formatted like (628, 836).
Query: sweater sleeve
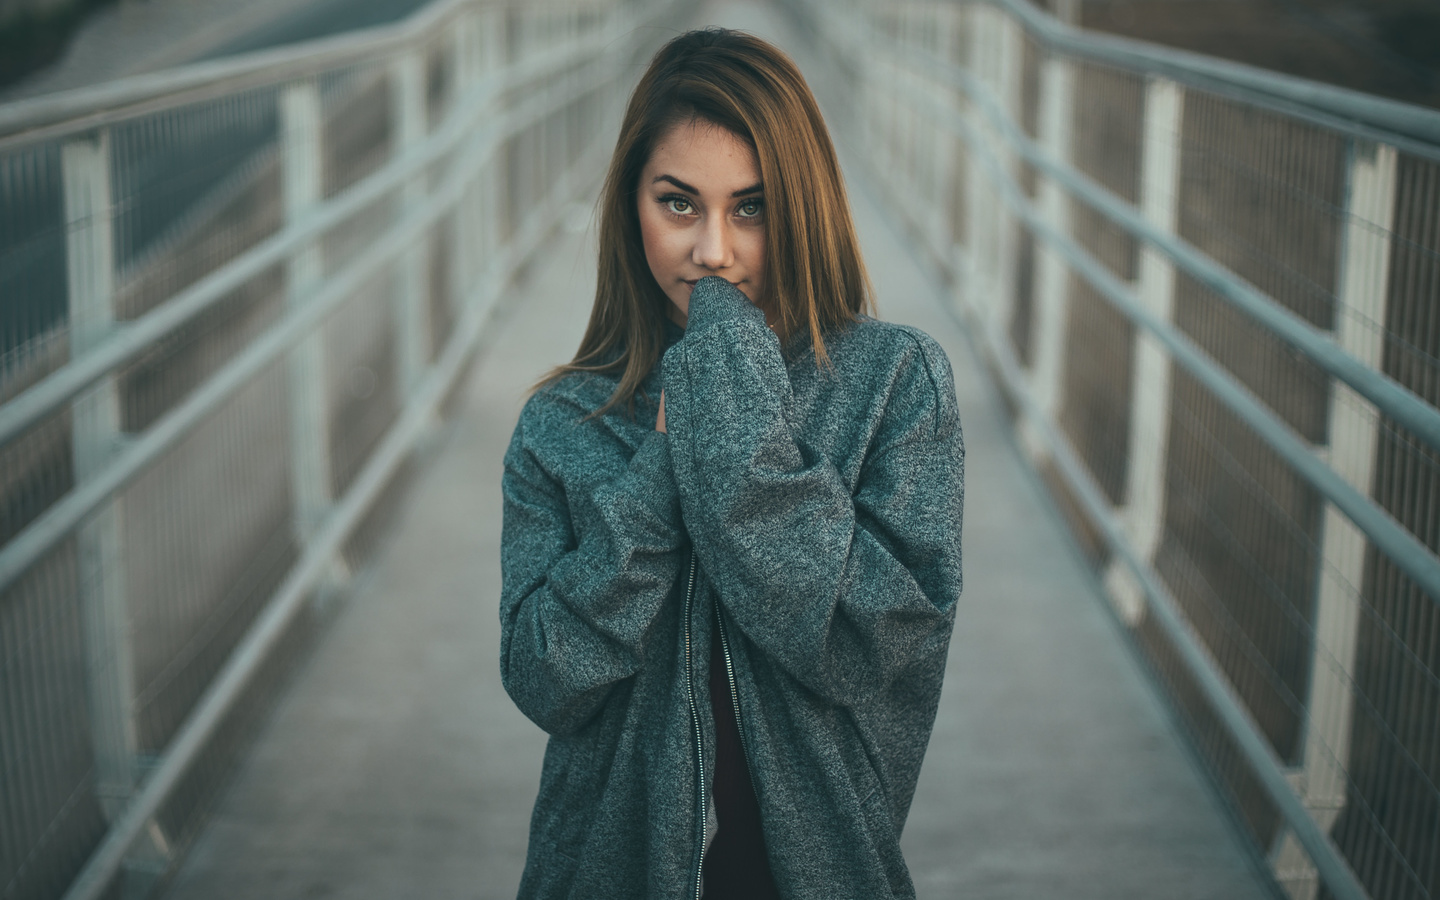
(844, 591)
(575, 615)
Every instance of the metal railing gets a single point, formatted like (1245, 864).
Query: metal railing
(1209, 293)
(232, 299)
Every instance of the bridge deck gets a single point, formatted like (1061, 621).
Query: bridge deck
(396, 766)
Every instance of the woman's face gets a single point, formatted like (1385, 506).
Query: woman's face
(702, 212)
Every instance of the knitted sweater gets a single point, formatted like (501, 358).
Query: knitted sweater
(820, 508)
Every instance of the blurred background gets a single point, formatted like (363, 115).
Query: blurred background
(276, 277)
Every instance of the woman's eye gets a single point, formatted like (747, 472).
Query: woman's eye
(750, 209)
(677, 205)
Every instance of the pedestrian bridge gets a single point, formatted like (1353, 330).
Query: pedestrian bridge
(267, 322)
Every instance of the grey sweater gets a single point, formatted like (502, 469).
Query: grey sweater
(820, 509)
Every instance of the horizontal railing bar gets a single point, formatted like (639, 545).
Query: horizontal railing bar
(1334, 870)
(50, 116)
(1412, 556)
(1199, 663)
(278, 63)
(1219, 693)
(1347, 106)
(60, 519)
(1391, 397)
(131, 339)
(270, 626)
(64, 113)
(1388, 535)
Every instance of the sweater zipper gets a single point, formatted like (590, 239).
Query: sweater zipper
(695, 721)
(735, 700)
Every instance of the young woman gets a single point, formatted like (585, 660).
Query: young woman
(731, 548)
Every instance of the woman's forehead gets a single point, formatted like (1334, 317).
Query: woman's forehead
(705, 157)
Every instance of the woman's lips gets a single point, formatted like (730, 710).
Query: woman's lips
(694, 281)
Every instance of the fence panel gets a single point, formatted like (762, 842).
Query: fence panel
(1217, 329)
(234, 298)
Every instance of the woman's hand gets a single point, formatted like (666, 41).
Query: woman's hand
(660, 416)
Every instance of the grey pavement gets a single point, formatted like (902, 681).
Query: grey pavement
(397, 767)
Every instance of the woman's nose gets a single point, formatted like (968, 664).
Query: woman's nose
(712, 246)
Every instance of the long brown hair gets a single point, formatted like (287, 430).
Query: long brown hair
(814, 278)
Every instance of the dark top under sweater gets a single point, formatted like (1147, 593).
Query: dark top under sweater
(736, 867)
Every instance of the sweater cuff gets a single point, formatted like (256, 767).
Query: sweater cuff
(714, 300)
(652, 483)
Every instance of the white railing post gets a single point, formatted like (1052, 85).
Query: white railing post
(1067, 11)
(490, 188)
(555, 162)
(1144, 512)
(1055, 126)
(545, 129)
(466, 66)
(980, 199)
(534, 161)
(465, 53)
(1010, 73)
(1364, 280)
(943, 140)
(564, 140)
(412, 301)
(873, 137)
(874, 119)
(997, 55)
(312, 482)
(909, 136)
(95, 436)
(519, 163)
(892, 124)
(555, 122)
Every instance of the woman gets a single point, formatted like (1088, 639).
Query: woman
(731, 549)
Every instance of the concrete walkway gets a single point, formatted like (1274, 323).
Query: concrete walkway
(397, 767)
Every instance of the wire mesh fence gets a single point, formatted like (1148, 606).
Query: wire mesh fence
(1178, 269)
(230, 303)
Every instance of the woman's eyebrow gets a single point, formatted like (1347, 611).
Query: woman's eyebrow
(675, 181)
(755, 188)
